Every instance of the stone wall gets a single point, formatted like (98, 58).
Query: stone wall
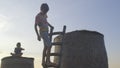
(83, 49)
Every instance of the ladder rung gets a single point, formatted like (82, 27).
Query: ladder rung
(46, 66)
(52, 65)
(57, 43)
(55, 33)
(54, 54)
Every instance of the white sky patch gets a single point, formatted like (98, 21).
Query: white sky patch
(4, 54)
(4, 23)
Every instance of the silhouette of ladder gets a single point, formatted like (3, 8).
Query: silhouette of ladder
(57, 44)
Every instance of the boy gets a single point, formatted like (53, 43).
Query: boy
(17, 51)
(41, 22)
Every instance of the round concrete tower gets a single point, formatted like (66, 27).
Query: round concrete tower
(83, 49)
(17, 62)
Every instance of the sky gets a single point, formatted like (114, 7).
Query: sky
(17, 24)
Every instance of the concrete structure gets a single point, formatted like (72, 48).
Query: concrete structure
(17, 62)
(83, 49)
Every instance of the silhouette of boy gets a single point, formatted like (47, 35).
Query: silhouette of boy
(18, 50)
(42, 32)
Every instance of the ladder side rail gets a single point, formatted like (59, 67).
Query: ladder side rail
(59, 63)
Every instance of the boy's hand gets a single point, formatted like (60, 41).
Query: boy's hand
(39, 38)
(52, 27)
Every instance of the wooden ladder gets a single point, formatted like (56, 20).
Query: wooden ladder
(62, 33)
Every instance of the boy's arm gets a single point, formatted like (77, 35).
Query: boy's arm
(50, 26)
(36, 30)
(22, 49)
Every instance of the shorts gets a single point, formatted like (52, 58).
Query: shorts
(46, 38)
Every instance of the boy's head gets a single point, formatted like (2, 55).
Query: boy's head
(44, 8)
(18, 44)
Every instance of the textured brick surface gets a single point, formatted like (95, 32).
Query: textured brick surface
(83, 49)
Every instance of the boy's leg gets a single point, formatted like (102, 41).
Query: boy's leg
(43, 35)
(47, 44)
(44, 54)
(48, 54)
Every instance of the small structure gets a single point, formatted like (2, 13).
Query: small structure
(17, 62)
(17, 50)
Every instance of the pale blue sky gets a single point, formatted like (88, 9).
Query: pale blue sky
(17, 23)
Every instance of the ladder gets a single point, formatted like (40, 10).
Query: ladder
(62, 33)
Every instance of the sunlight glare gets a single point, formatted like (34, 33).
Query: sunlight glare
(3, 22)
